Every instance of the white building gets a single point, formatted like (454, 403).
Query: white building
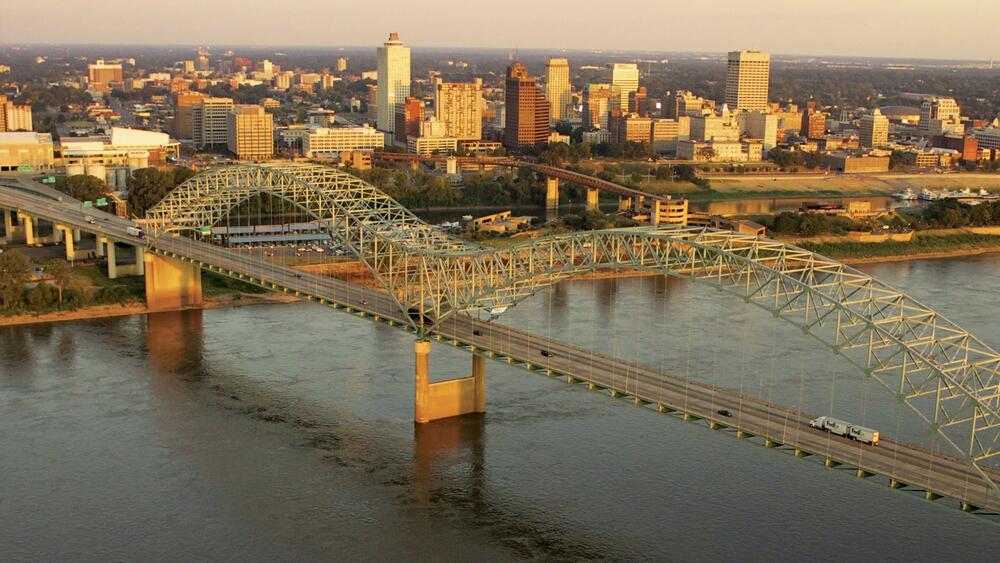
(558, 89)
(626, 77)
(331, 141)
(747, 80)
(393, 80)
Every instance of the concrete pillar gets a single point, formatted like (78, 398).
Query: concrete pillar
(99, 246)
(422, 392)
(624, 203)
(639, 201)
(479, 377)
(112, 266)
(415, 165)
(593, 199)
(66, 233)
(445, 399)
(76, 235)
(170, 283)
(29, 228)
(654, 212)
(551, 192)
(8, 226)
(57, 234)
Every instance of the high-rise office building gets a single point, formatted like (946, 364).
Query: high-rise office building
(250, 133)
(409, 115)
(558, 89)
(813, 124)
(184, 114)
(210, 122)
(599, 100)
(638, 102)
(14, 117)
(100, 75)
(939, 116)
(626, 77)
(459, 105)
(747, 78)
(527, 111)
(874, 129)
(393, 80)
(342, 64)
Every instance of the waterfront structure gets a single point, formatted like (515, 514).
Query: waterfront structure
(747, 80)
(852, 163)
(393, 80)
(409, 115)
(331, 141)
(558, 89)
(210, 122)
(527, 110)
(14, 117)
(626, 77)
(599, 100)
(184, 102)
(250, 133)
(874, 129)
(26, 149)
(459, 105)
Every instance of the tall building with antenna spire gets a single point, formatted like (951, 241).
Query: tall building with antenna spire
(393, 81)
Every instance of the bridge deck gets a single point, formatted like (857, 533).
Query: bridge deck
(905, 464)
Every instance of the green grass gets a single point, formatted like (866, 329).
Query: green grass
(921, 244)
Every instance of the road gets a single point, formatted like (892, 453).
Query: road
(903, 463)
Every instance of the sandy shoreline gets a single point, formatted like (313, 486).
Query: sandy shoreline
(240, 300)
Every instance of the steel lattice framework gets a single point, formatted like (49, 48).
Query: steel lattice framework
(947, 376)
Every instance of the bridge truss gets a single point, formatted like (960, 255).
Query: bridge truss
(946, 375)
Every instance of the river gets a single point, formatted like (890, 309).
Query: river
(284, 432)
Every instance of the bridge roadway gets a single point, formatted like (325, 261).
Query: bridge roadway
(552, 171)
(903, 464)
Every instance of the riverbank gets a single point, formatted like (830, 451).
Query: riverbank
(138, 308)
(924, 245)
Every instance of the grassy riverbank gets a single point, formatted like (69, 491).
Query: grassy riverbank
(924, 245)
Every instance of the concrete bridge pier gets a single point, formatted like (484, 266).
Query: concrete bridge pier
(28, 225)
(106, 247)
(654, 212)
(170, 283)
(551, 192)
(639, 201)
(624, 203)
(444, 399)
(593, 199)
(70, 237)
(8, 226)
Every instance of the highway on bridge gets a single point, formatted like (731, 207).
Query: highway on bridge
(903, 464)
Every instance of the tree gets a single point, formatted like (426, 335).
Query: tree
(146, 187)
(15, 271)
(83, 187)
(62, 277)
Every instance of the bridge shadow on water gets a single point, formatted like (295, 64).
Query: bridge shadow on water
(442, 474)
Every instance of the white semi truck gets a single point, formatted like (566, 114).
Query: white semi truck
(846, 429)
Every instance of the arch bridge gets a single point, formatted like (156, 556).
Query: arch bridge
(947, 376)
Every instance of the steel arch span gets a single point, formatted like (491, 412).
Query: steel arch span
(946, 375)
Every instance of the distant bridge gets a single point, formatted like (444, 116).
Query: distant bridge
(435, 286)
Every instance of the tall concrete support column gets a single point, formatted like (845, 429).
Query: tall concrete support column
(76, 235)
(640, 200)
(8, 226)
(29, 228)
(479, 378)
(593, 199)
(99, 246)
(68, 240)
(415, 165)
(171, 283)
(444, 399)
(624, 203)
(112, 264)
(551, 192)
(654, 212)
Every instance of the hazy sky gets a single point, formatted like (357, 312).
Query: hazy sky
(965, 29)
